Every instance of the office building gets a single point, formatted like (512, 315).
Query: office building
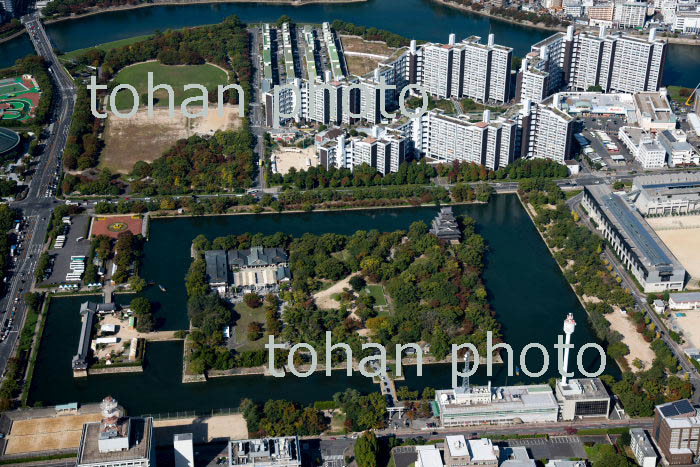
(686, 22)
(428, 456)
(643, 450)
(266, 452)
(676, 432)
(117, 440)
(516, 456)
(475, 452)
(679, 151)
(478, 405)
(643, 147)
(667, 194)
(635, 243)
(583, 398)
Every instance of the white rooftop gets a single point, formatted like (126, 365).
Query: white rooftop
(429, 456)
(482, 450)
(457, 445)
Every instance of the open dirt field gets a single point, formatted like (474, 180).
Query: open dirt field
(682, 236)
(358, 44)
(140, 138)
(43, 434)
(203, 429)
(286, 158)
(324, 298)
(690, 325)
(112, 226)
(361, 66)
(639, 348)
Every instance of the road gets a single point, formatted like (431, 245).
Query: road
(256, 111)
(39, 202)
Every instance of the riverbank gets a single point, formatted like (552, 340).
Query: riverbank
(97, 10)
(13, 36)
(486, 13)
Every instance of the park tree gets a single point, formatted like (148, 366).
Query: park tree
(367, 450)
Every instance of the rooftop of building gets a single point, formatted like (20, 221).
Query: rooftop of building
(139, 433)
(685, 297)
(583, 388)
(482, 450)
(503, 398)
(679, 414)
(641, 238)
(654, 105)
(265, 451)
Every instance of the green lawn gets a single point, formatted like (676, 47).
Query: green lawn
(176, 76)
(377, 291)
(674, 92)
(105, 47)
(248, 315)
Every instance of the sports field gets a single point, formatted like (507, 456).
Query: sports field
(47, 434)
(176, 76)
(18, 98)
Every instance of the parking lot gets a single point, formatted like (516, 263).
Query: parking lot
(560, 447)
(610, 127)
(72, 247)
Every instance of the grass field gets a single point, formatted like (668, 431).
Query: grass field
(679, 93)
(105, 47)
(377, 291)
(248, 315)
(176, 76)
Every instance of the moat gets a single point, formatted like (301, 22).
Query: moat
(526, 289)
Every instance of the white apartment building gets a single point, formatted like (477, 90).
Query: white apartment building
(385, 150)
(465, 69)
(631, 14)
(546, 132)
(445, 139)
(578, 61)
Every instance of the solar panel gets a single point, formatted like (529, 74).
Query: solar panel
(669, 410)
(683, 406)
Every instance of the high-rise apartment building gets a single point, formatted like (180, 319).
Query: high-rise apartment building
(546, 131)
(579, 61)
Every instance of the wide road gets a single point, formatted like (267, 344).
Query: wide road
(39, 202)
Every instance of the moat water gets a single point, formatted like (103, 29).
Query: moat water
(526, 289)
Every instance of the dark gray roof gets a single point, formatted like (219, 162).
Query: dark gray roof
(217, 272)
(444, 226)
(256, 256)
(79, 361)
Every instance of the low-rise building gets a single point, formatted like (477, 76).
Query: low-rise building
(474, 405)
(428, 456)
(265, 452)
(184, 450)
(583, 398)
(667, 194)
(654, 112)
(516, 456)
(117, 441)
(636, 244)
(676, 432)
(684, 301)
(679, 151)
(643, 450)
(257, 269)
(475, 452)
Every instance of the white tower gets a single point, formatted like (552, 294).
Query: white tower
(569, 327)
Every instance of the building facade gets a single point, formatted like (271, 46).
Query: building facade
(676, 432)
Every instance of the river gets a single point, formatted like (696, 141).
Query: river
(526, 289)
(399, 16)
